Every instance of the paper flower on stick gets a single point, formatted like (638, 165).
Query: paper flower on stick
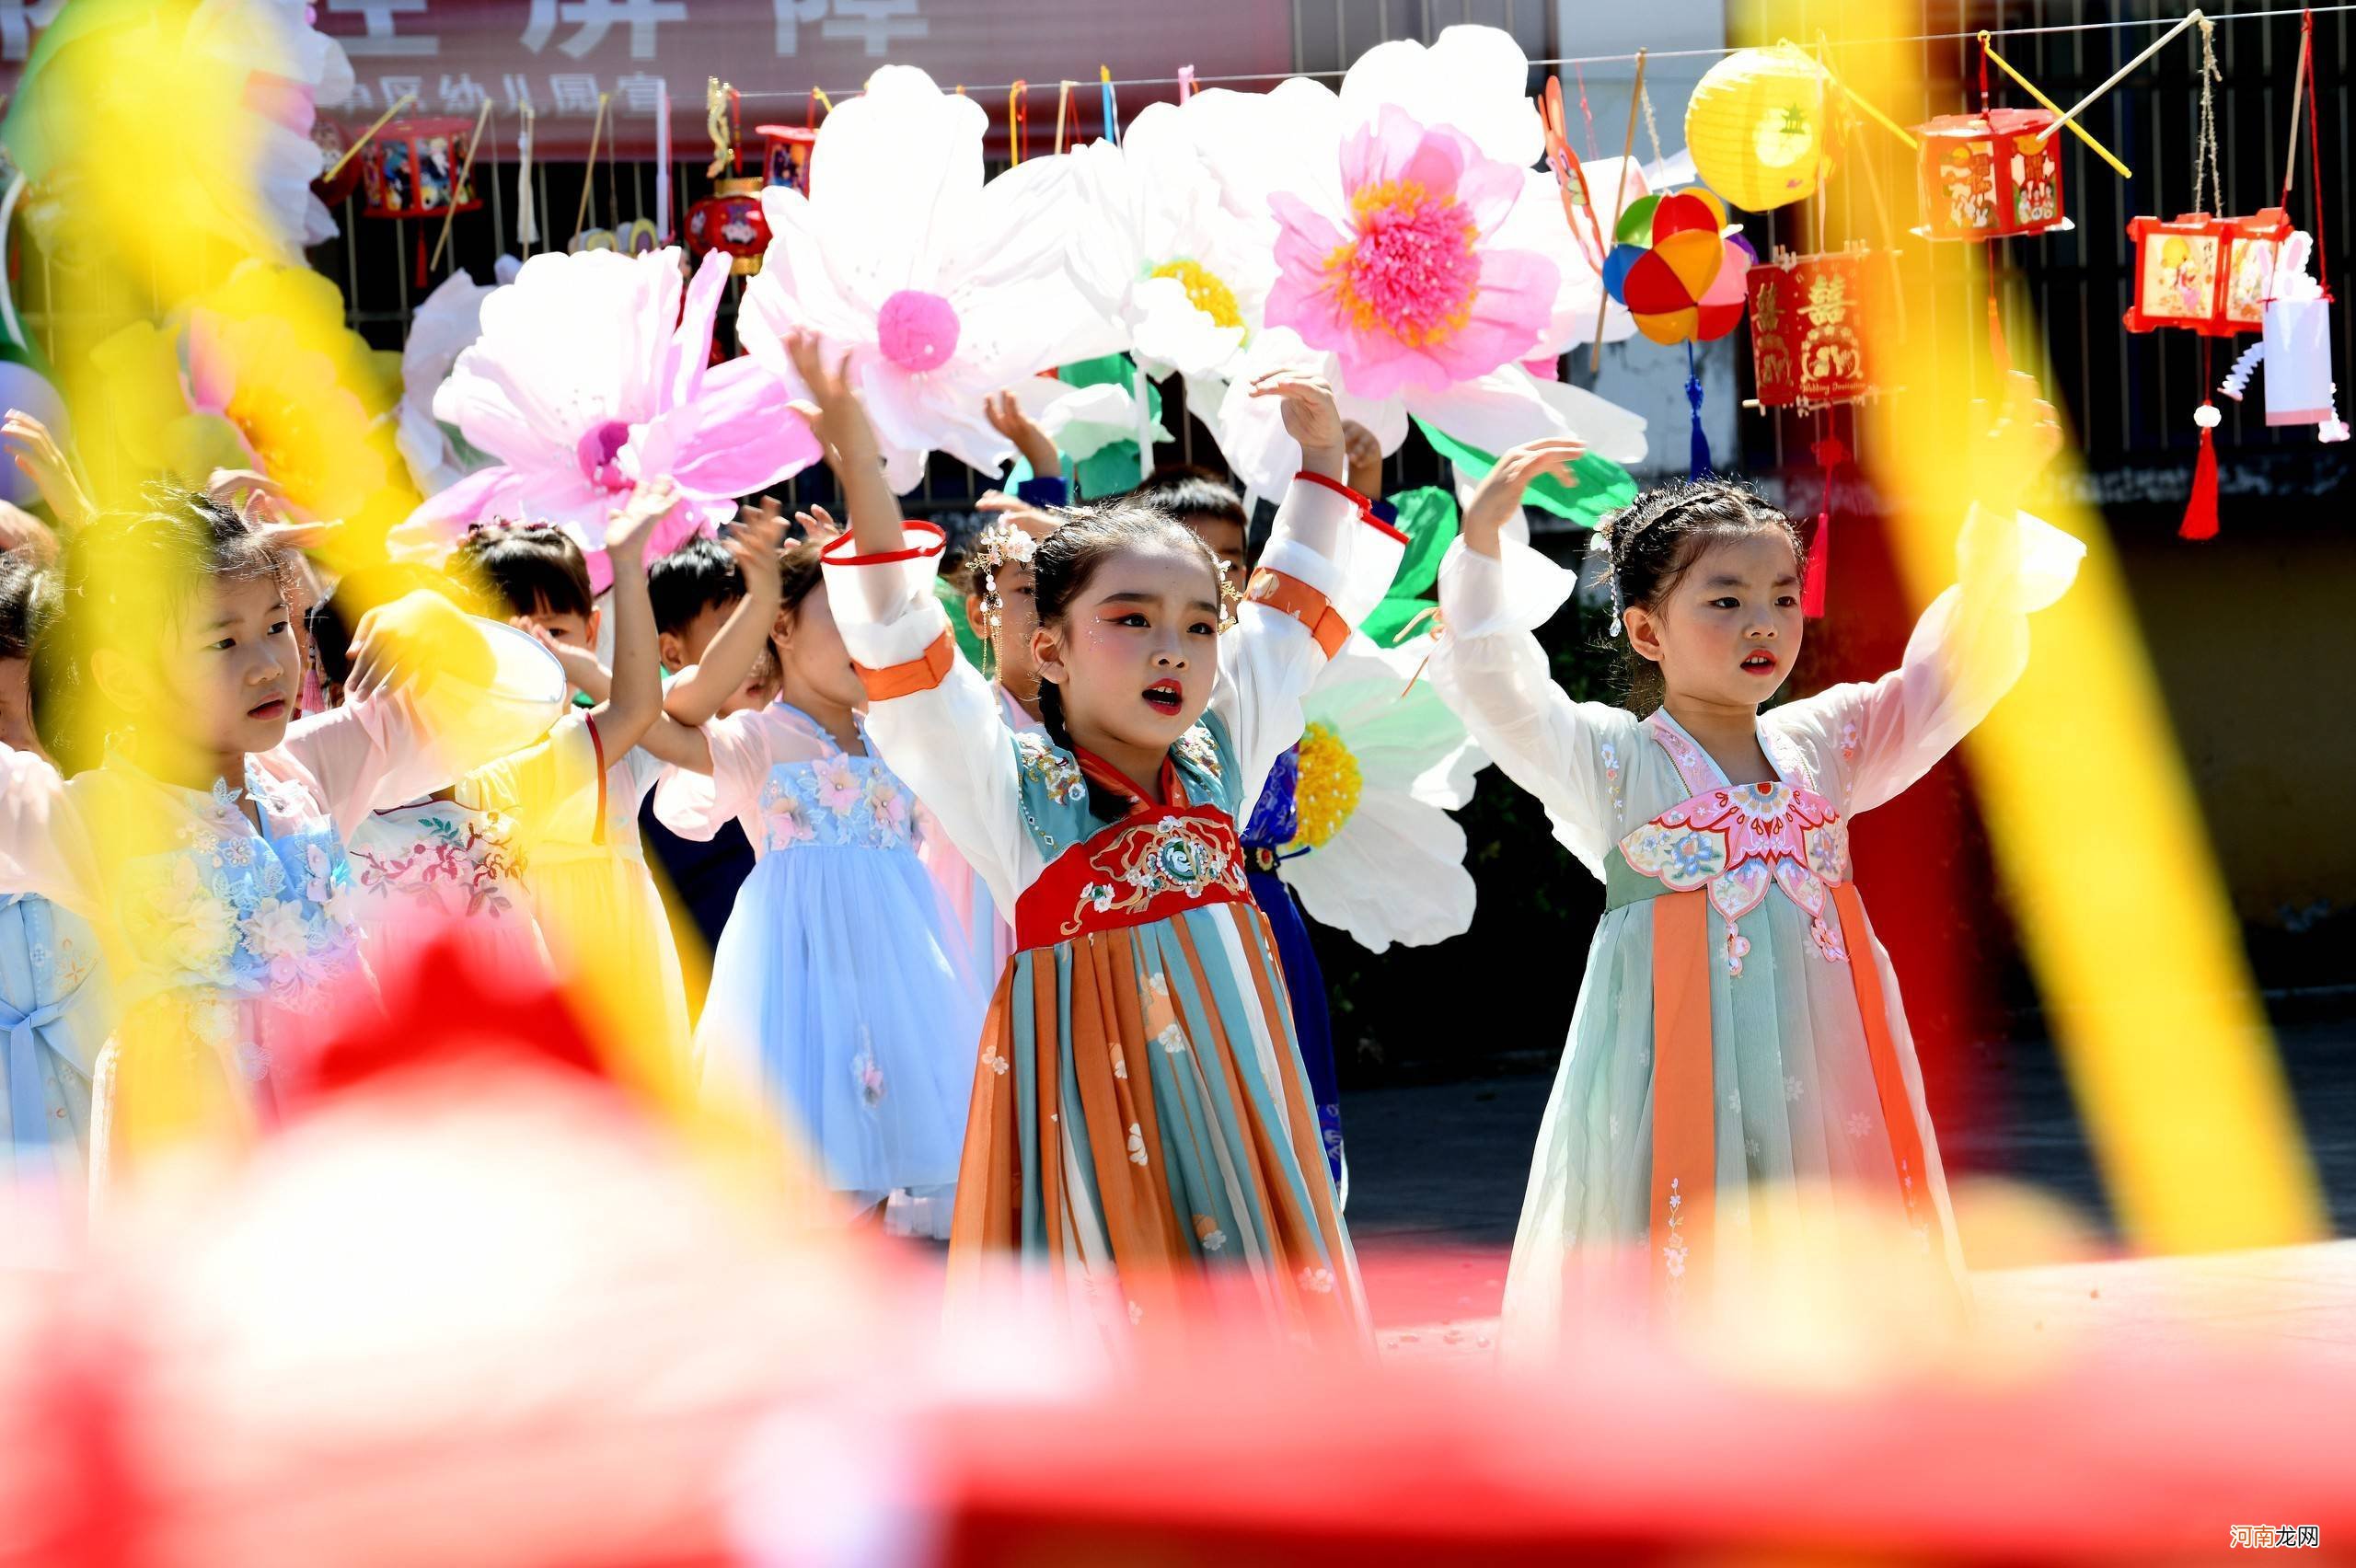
(1379, 773)
(1420, 255)
(940, 288)
(1677, 269)
(590, 374)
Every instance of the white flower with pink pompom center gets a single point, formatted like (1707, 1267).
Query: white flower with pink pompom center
(940, 288)
(593, 373)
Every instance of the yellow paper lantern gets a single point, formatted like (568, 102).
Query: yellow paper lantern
(1757, 127)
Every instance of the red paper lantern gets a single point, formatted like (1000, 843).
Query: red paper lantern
(1987, 176)
(2211, 274)
(411, 169)
(730, 219)
(1812, 343)
(788, 154)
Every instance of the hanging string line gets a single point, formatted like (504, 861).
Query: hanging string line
(1719, 54)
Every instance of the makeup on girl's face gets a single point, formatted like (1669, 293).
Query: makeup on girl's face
(1142, 649)
(1732, 626)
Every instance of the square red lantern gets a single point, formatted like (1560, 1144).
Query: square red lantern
(788, 160)
(416, 169)
(2214, 275)
(1988, 176)
(1812, 328)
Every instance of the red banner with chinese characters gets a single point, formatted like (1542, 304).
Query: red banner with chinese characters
(559, 56)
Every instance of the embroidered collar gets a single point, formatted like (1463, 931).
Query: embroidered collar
(1099, 771)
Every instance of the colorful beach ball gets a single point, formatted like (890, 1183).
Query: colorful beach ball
(1675, 267)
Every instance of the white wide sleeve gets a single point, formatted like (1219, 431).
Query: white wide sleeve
(45, 847)
(933, 720)
(1491, 670)
(1969, 648)
(1326, 567)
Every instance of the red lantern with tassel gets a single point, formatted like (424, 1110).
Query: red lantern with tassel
(1813, 347)
(415, 169)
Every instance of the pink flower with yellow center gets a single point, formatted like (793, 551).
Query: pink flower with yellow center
(1406, 289)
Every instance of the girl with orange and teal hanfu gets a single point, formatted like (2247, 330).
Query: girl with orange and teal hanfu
(1140, 1115)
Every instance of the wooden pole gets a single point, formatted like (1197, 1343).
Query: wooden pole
(473, 144)
(2117, 77)
(1619, 204)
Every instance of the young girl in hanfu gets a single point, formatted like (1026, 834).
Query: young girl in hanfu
(1140, 1110)
(840, 997)
(1737, 1043)
(52, 1012)
(596, 900)
(452, 865)
(204, 838)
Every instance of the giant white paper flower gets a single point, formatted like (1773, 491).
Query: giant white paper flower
(1420, 256)
(1382, 766)
(294, 70)
(941, 289)
(1159, 253)
(445, 326)
(590, 377)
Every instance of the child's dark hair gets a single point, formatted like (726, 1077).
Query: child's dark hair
(524, 569)
(1648, 546)
(334, 619)
(128, 577)
(1186, 489)
(1062, 566)
(799, 577)
(28, 600)
(698, 576)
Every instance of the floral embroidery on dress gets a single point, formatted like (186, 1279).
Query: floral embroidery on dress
(1673, 1250)
(840, 801)
(455, 854)
(1150, 857)
(1612, 782)
(866, 1074)
(1737, 843)
(1197, 749)
(1317, 1281)
(1137, 1144)
(1792, 1088)
(1860, 1124)
(1120, 1062)
(992, 1060)
(1849, 741)
(1207, 1232)
(1173, 1040)
(1058, 774)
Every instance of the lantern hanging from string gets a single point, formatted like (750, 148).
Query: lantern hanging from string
(2211, 274)
(1813, 345)
(787, 159)
(730, 219)
(339, 174)
(1812, 342)
(1757, 125)
(416, 169)
(1990, 176)
(2297, 342)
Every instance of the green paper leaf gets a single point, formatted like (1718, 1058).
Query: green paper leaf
(1427, 517)
(1116, 467)
(952, 599)
(1603, 487)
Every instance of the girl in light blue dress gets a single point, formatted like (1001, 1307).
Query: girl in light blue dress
(50, 1025)
(864, 1048)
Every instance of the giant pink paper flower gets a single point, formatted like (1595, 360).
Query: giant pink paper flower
(590, 377)
(1406, 286)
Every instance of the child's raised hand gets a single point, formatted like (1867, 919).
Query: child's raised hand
(628, 526)
(2021, 439)
(1312, 418)
(580, 664)
(36, 451)
(1007, 418)
(754, 545)
(818, 525)
(832, 406)
(1499, 495)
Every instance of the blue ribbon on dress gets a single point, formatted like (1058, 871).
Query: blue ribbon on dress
(28, 1108)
